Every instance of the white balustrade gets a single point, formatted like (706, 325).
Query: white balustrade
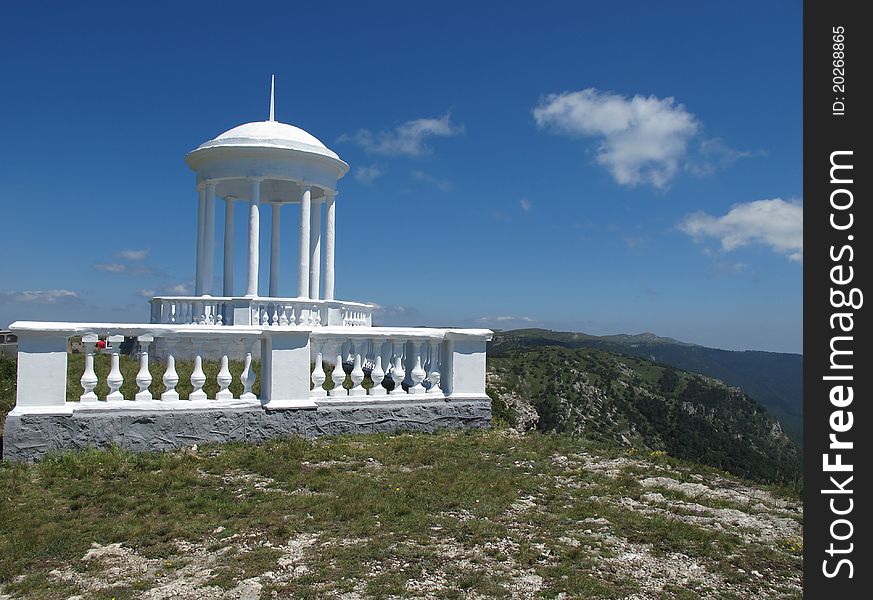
(357, 377)
(318, 375)
(144, 376)
(418, 373)
(115, 379)
(171, 378)
(248, 375)
(398, 374)
(338, 377)
(89, 377)
(434, 369)
(436, 364)
(264, 312)
(377, 375)
(224, 376)
(198, 379)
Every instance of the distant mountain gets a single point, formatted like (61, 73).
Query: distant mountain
(616, 398)
(772, 378)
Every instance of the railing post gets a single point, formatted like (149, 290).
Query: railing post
(42, 373)
(466, 366)
(285, 374)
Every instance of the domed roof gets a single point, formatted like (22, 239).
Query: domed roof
(270, 134)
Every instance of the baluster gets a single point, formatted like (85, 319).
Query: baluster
(89, 377)
(434, 368)
(318, 376)
(292, 320)
(283, 318)
(377, 375)
(274, 309)
(115, 379)
(248, 375)
(316, 312)
(357, 376)
(265, 319)
(219, 318)
(418, 373)
(345, 318)
(338, 377)
(224, 377)
(398, 373)
(144, 376)
(171, 378)
(198, 377)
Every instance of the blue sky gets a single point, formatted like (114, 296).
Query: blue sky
(598, 167)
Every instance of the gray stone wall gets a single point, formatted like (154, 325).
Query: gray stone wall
(29, 437)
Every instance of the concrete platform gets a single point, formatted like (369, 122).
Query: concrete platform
(28, 437)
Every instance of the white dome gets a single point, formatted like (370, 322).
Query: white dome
(270, 134)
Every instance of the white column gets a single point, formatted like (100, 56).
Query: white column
(315, 252)
(201, 219)
(303, 272)
(274, 251)
(329, 247)
(254, 231)
(209, 240)
(228, 247)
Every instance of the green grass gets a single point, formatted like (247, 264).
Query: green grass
(401, 496)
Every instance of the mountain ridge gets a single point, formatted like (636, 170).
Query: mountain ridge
(775, 379)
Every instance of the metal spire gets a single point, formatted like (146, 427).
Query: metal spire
(272, 97)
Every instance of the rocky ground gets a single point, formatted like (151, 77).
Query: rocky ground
(579, 524)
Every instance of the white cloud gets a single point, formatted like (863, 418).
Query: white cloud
(775, 223)
(641, 139)
(119, 268)
(525, 204)
(40, 296)
(407, 139)
(394, 314)
(504, 319)
(441, 184)
(180, 289)
(111, 267)
(133, 254)
(367, 174)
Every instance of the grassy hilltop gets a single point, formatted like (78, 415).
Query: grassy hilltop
(587, 503)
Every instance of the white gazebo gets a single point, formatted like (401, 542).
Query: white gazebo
(278, 165)
(287, 365)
